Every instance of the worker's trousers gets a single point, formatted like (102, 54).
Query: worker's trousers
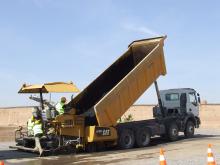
(38, 145)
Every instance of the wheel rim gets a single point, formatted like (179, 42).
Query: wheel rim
(191, 129)
(127, 140)
(144, 138)
(175, 132)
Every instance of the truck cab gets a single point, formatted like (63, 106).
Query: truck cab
(181, 101)
(178, 112)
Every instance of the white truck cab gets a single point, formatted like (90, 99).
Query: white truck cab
(181, 100)
(178, 110)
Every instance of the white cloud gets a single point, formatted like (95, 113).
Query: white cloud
(140, 29)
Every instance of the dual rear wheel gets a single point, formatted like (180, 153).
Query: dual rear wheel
(128, 138)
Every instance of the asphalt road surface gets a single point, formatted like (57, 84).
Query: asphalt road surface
(182, 152)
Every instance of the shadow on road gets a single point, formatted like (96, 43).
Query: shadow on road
(157, 141)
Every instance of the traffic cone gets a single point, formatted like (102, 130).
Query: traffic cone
(210, 158)
(162, 158)
(2, 162)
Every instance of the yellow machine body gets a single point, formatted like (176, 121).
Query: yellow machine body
(96, 134)
(73, 125)
(70, 125)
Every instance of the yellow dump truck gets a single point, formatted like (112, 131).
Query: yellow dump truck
(90, 119)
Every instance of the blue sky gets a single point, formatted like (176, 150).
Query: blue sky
(53, 40)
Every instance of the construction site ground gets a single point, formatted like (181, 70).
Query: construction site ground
(182, 152)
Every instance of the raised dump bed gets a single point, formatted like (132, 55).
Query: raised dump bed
(109, 96)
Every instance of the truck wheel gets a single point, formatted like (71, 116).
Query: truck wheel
(173, 132)
(126, 139)
(142, 137)
(163, 136)
(90, 147)
(190, 128)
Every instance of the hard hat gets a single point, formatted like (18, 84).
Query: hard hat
(63, 99)
(35, 110)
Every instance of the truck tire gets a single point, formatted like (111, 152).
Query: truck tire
(126, 139)
(172, 132)
(164, 137)
(142, 137)
(90, 147)
(189, 130)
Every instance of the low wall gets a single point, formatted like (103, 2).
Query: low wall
(14, 116)
(10, 118)
(209, 114)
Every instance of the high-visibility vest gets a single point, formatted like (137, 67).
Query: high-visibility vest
(59, 108)
(37, 128)
(30, 125)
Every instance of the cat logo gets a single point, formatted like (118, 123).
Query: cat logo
(102, 131)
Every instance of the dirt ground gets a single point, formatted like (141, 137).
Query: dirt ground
(182, 152)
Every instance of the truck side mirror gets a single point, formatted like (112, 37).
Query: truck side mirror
(198, 96)
(199, 100)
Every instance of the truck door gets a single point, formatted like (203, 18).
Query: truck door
(192, 104)
(183, 102)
